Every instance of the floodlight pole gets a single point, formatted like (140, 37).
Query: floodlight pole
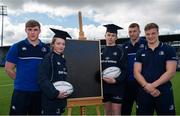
(3, 13)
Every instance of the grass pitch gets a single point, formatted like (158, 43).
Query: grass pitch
(6, 88)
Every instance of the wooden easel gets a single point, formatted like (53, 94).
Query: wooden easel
(81, 33)
(83, 102)
(87, 101)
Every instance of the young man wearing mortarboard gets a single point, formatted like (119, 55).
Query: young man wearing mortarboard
(113, 55)
(52, 69)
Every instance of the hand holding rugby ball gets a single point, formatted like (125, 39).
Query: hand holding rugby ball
(64, 86)
(111, 72)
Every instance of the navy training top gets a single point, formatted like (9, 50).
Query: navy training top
(114, 56)
(131, 51)
(154, 62)
(27, 58)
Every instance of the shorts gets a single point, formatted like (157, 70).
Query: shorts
(113, 98)
(163, 104)
(25, 102)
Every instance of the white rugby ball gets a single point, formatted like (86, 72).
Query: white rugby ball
(63, 86)
(112, 72)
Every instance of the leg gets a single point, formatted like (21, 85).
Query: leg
(116, 109)
(165, 103)
(107, 108)
(19, 103)
(127, 105)
(35, 105)
(116, 103)
(107, 104)
(145, 103)
(130, 95)
(69, 111)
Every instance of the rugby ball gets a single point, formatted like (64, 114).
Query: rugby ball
(64, 86)
(111, 72)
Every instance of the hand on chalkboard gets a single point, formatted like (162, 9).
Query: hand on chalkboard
(109, 80)
(62, 95)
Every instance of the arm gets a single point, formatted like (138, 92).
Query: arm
(44, 77)
(11, 60)
(109, 80)
(148, 87)
(168, 75)
(137, 74)
(171, 63)
(9, 68)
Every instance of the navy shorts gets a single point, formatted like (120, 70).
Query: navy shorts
(24, 102)
(163, 104)
(113, 98)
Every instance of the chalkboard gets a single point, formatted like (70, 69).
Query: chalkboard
(83, 64)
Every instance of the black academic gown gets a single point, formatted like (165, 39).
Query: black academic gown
(52, 69)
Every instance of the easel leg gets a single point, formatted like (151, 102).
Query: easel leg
(69, 111)
(83, 110)
(97, 110)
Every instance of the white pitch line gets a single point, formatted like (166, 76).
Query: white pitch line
(6, 85)
(9, 94)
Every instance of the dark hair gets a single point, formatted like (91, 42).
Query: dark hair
(151, 26)
(132, 25)
(32, 23)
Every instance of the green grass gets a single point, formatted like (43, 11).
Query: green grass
(176, 86)
(6, 88)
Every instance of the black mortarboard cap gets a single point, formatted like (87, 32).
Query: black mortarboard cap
(60, 33)
(112, 28)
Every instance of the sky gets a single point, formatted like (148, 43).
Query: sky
(63, 15)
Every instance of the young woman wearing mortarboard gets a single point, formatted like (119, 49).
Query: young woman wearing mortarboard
(52, 69)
